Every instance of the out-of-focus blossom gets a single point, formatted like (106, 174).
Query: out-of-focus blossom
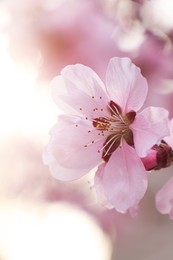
(169, 139)
(157, 16)
(150, 49)
(154, 57)
(61, 34)
(106, 130)
(164, 198)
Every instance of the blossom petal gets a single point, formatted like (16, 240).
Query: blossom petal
(59, 172)
(74, 144)
(100, 189)
(123, 179)
(149, 127)
(80, 89)
(164, 199)
(125, 84)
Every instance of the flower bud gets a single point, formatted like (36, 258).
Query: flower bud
(160, 156)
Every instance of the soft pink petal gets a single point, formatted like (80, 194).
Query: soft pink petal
(67, 145)
(164, 198)
(79, 89)
(59, 172)
(149, 127)
(58, 91)
(125, 84)
(123, 178)
(100, 189)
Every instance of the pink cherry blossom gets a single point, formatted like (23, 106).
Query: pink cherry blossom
(102, 129)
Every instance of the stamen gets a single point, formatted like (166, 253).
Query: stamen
(116, 108)
(114, 116)
(117, 111)
(105, 114)
(109, 141)
(114, 127)
(101, 123)
(93, 141)
(111, 145)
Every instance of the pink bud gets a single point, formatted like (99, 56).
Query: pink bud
(160, 156)
(150, 161)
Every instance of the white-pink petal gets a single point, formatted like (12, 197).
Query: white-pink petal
(100, 188)
(80, 89)
(123, 179)
(125, 84)
(60, 96)
(149, 127)
(74, 144)
(164, 198)
(59, 172)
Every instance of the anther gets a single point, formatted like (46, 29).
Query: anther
(100, 97)
(92, 96)
(76, 125)
(80, 108)
(92, 142)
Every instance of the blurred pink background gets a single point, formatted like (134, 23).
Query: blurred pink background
(40, 217)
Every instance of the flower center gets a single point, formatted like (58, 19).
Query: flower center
(115, 127)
